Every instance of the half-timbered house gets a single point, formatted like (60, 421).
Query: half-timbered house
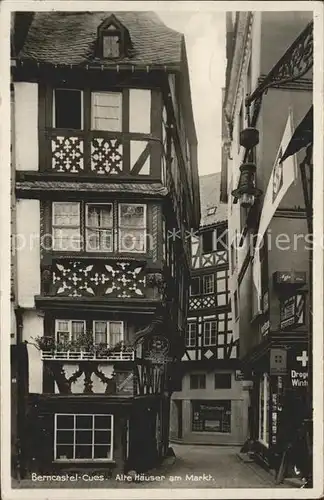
(210, 405)
(106, 190)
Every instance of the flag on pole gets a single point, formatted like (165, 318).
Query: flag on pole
(283, 174)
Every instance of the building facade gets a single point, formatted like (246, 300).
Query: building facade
(211, 406)
(270, 280)
(104, 169)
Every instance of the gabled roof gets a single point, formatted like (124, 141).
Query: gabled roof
(71, 37)
(210, 197)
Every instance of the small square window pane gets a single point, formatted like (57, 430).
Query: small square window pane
(65, 421)
(62, 326)
(64, 452)
(102, 437)
(63, 337)
(102, 422)
(83, 437)
(83, 451)
(64, 437)
(102, 451)
(67, 239)
(132, 216)
(84, 421)
(132, 240)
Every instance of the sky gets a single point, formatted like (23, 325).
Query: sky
(205, 42)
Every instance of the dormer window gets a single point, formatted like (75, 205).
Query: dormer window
(113, 39)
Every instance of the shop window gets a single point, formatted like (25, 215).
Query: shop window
(223, 380)
(198, 381)
(191, 334)
(195, 286)
(67, 106)
(83, 437)
(211, 416)
(264, 410)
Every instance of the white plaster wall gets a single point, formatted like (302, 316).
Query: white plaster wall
(26, 125)
(28, 251)
(33, 326)
(140, 111)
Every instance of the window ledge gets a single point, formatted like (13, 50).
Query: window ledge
(83, 461)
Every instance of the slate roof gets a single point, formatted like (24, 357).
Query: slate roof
(70, 38)
(153, 189)
(210, 197)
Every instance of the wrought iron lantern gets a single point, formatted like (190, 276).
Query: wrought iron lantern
(246, 191)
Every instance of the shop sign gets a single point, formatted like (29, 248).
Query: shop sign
(239, 375)
(299, 369)
(292, 311)
(278, 361)
(274, 418)
(290, 278)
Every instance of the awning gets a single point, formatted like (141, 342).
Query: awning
(302, 137)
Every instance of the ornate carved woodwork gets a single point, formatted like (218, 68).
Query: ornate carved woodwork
(67, 154)
(101, 154)
(202, 302)
(90, 377)
(74, 278)
(106, 156)
(150, 378)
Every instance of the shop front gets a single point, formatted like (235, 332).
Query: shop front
(280, 401)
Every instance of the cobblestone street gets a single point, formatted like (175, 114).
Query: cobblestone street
(195, 467)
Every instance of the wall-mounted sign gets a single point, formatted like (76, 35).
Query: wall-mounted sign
(298, 364)
(292, 311)
(289, 278)
(239, 375)
(278, 361)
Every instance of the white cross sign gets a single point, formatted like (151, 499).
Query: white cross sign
(303, 359)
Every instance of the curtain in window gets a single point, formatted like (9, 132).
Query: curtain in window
(99, 228)
(66, 226)
(115, 333)
(100, 332)
(132, 228)
(77, 330)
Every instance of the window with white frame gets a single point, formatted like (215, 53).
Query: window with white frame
(99, 227)
(191, 334)
(132, 227)
(83, 437)
(68, 109)
(66, 226)
(67, 330)
(210, 333)
(106, 111)
(208, 284)
(264, 410)
(108, 332)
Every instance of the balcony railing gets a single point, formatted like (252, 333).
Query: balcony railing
(58, 355)
(102, 154)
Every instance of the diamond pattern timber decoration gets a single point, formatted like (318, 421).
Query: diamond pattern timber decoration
(67, 154)
(202, 302)
(106, 156)
(81, 279)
